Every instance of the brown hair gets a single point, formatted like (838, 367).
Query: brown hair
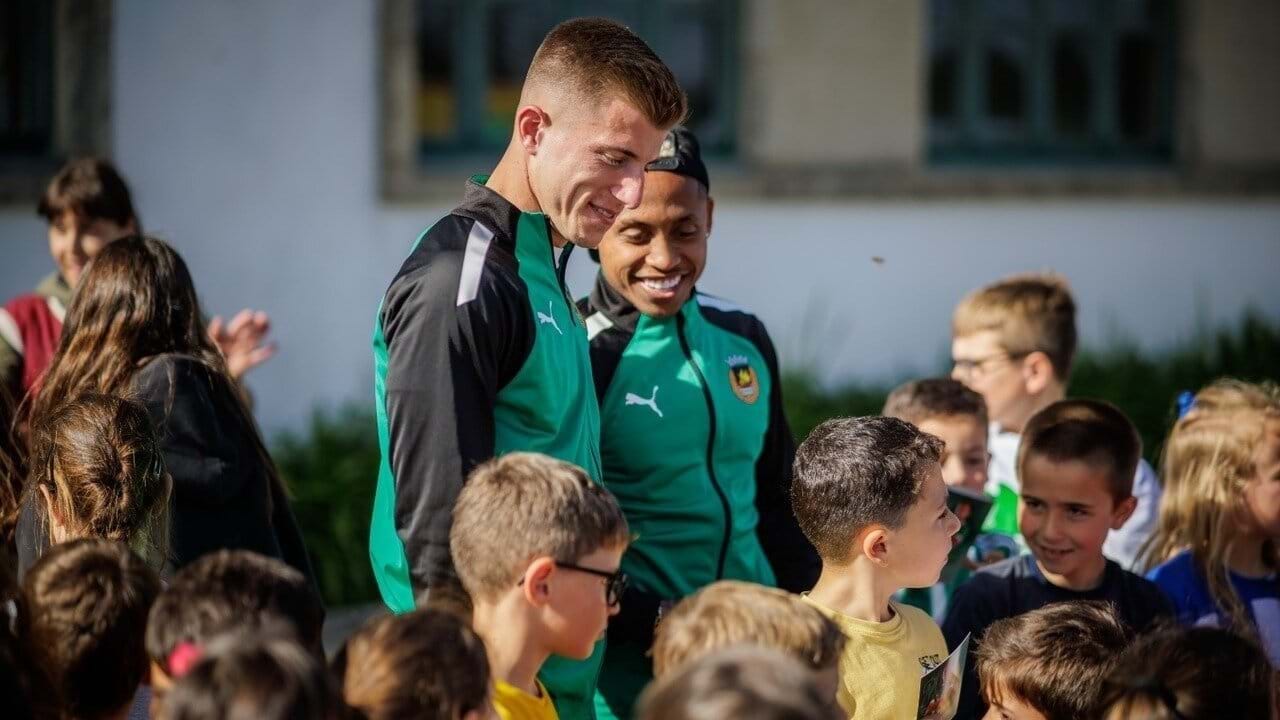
(742, 682)
(1089, 431)
(99, 463)
(89, 187)
(1031, 312)
(1197, 673)
(24, 683)
(88, 601)
(1052, 658)
(1208, 459)
(232, 589)
(599, 57)
(424, 664)
(264, 676)
(854, 472)
(731, 612)
(11, 462)
(525, 505)
(921, 400)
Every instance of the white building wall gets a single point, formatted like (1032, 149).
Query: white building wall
(248, 132)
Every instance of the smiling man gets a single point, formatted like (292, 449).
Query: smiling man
(693, 437)
(478, 349)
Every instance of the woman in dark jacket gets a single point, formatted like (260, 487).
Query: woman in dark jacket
(135, 329)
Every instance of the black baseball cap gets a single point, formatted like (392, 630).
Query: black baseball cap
(681, 154)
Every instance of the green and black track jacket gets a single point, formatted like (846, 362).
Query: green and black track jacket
(478, 351)
(696, 447)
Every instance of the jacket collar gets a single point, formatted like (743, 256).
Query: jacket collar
(482, 204)
(621, 313)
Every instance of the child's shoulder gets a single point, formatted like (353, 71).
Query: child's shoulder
(1179, 568)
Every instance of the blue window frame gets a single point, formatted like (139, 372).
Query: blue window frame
(1050, 81)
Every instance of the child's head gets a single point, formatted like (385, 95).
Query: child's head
(1047, 664)
(870, 488)
(1197, 673)
(225, 590)
(956, 415)
(745, 682)
(731, 612)
(1221, 474)
(87, 206)
(1014, 342)
(1076, 464)
(87, 602)
(97, 471)
(425, 664)
(265, 676)
(534, 537)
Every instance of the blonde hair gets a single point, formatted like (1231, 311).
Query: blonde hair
(730, 612)
(524, 505)
(1207, 461)
(1030, 312)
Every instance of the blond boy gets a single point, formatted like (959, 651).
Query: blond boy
(537, 547)
(732, 612)
(868, 493)
(1014, 341)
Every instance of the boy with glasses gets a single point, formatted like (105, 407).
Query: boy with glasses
(1014, 342)
(537, 546)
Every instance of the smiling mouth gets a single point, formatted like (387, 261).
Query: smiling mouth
(1052, 554)
(661, 285)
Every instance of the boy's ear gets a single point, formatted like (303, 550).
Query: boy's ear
(875, 545)
(1123, 511)
(537, 581)
(531, 121)
(1037, 372)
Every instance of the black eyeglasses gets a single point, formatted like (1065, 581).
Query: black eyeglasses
(615, 582)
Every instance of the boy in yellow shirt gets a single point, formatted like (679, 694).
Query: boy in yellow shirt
(537, 547)
(868, 493)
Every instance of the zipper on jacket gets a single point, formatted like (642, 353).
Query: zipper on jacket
(711, 444)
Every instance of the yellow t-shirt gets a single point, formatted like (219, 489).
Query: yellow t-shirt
(883, 662)
(512, 703)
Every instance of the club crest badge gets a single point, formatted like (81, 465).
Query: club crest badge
(743, 379)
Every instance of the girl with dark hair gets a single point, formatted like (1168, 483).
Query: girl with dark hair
(135, 329)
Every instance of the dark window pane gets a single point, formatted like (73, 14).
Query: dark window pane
(1136, 86)
(1071, 85)
(942, 86)
(514, 30)
(26, 77)
(1006, 96)
(436, 110)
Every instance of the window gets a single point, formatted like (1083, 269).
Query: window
(1050, 81)
(26, 78)
(471, 57)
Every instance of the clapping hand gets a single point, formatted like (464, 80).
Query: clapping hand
(243, 341)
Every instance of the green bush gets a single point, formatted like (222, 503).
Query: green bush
(331, 469)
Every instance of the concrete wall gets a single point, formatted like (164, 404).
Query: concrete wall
(827, 82)
(248, 133)
(1231, 82)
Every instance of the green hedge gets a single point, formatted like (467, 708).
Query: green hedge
(331, 468)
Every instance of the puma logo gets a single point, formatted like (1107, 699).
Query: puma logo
(549, 318)
(651, 402)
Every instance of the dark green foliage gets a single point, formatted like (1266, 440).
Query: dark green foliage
(332, 468)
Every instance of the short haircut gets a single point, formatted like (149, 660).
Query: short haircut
(1053, 658)
(520, 506)
(1031, 312)
(851, 473)
(424, 664)
(1090, 431)
(252, 674)
(232, 589)
(1192, 673)
(599, 57)
(920, 400)
(88, 601)
(731, 612)
(742, 682)
(89, 187)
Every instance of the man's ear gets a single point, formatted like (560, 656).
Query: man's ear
(711, 211)
(875, 544)
(1037, 372)
(1123, 511)
(537, 581)
(531, 122)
